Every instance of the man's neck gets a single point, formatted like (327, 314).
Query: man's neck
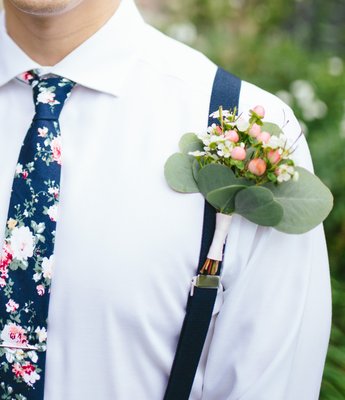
(48, 39)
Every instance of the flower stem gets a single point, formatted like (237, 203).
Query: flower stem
(210, 267)
(215, 254)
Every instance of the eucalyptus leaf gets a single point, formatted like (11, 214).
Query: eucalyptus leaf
(190, 142)
(216, 176)
(306, 202)
(271, 128)
(258, 205)
(196, 168)
(179, 174)
(223, 199)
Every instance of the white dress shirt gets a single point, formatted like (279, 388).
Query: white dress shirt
(127, 245)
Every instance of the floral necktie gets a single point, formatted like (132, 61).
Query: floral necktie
(27, 257)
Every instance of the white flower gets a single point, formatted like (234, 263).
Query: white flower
(276, 141)
(216, 139)
(197, 153)
(224, 149)
(13, 334)
(283, 177)
(52, 212)
(14, 355)
(47, 97)
(22, 243)
(40, 227)
(33, 356)
(54, 191)
(30, 376)
(210, 138)
(10, 355)
(242, 124)
(285, 172)
(11, 306)
(47, 267)
(36, 277)
(19, 168)
(212, 129)
(42, 132)
(19, 354)
(216, 114)
(41, 334)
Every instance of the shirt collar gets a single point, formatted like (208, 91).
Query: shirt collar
(101, 63)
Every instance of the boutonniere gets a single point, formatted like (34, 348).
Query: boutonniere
(244, 166)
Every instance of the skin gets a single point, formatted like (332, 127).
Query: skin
(48, 30)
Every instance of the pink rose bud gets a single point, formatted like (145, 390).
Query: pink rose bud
(26, 76)
(238, 153)
(259, 111)
(257, 166)
(273, 156)
(263, 137)
(219, 130)
(255, 130)
(232, 136)
(40, 290)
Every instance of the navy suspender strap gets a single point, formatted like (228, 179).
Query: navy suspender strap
(225, 92)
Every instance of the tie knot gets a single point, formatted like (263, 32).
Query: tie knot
(50, 94)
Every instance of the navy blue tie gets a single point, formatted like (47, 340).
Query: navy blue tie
(27, 257)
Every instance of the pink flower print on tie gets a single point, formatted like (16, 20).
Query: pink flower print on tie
(27, 259)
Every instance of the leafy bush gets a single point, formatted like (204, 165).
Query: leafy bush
(294, 49)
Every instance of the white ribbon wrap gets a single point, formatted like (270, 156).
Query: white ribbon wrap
(221, 232)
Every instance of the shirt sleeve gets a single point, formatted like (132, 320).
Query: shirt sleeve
(271, 334)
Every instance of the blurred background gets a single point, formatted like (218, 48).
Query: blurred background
(295, 49)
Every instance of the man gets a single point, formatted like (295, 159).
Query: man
(126, 245)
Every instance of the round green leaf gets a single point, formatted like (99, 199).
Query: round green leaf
(196, 168)
(216, 176)
(271, 128)
(179, 175)
(257, 204)
(306, 202)
(223, 199)
(190, 142)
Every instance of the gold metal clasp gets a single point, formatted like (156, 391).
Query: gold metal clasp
(205, 282)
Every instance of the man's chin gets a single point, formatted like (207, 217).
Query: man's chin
(44, 7)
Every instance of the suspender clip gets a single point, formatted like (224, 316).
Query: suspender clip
(205, 282)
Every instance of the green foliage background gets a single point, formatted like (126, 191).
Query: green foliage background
(294, 48)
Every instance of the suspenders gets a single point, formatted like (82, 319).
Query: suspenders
(225, 92)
